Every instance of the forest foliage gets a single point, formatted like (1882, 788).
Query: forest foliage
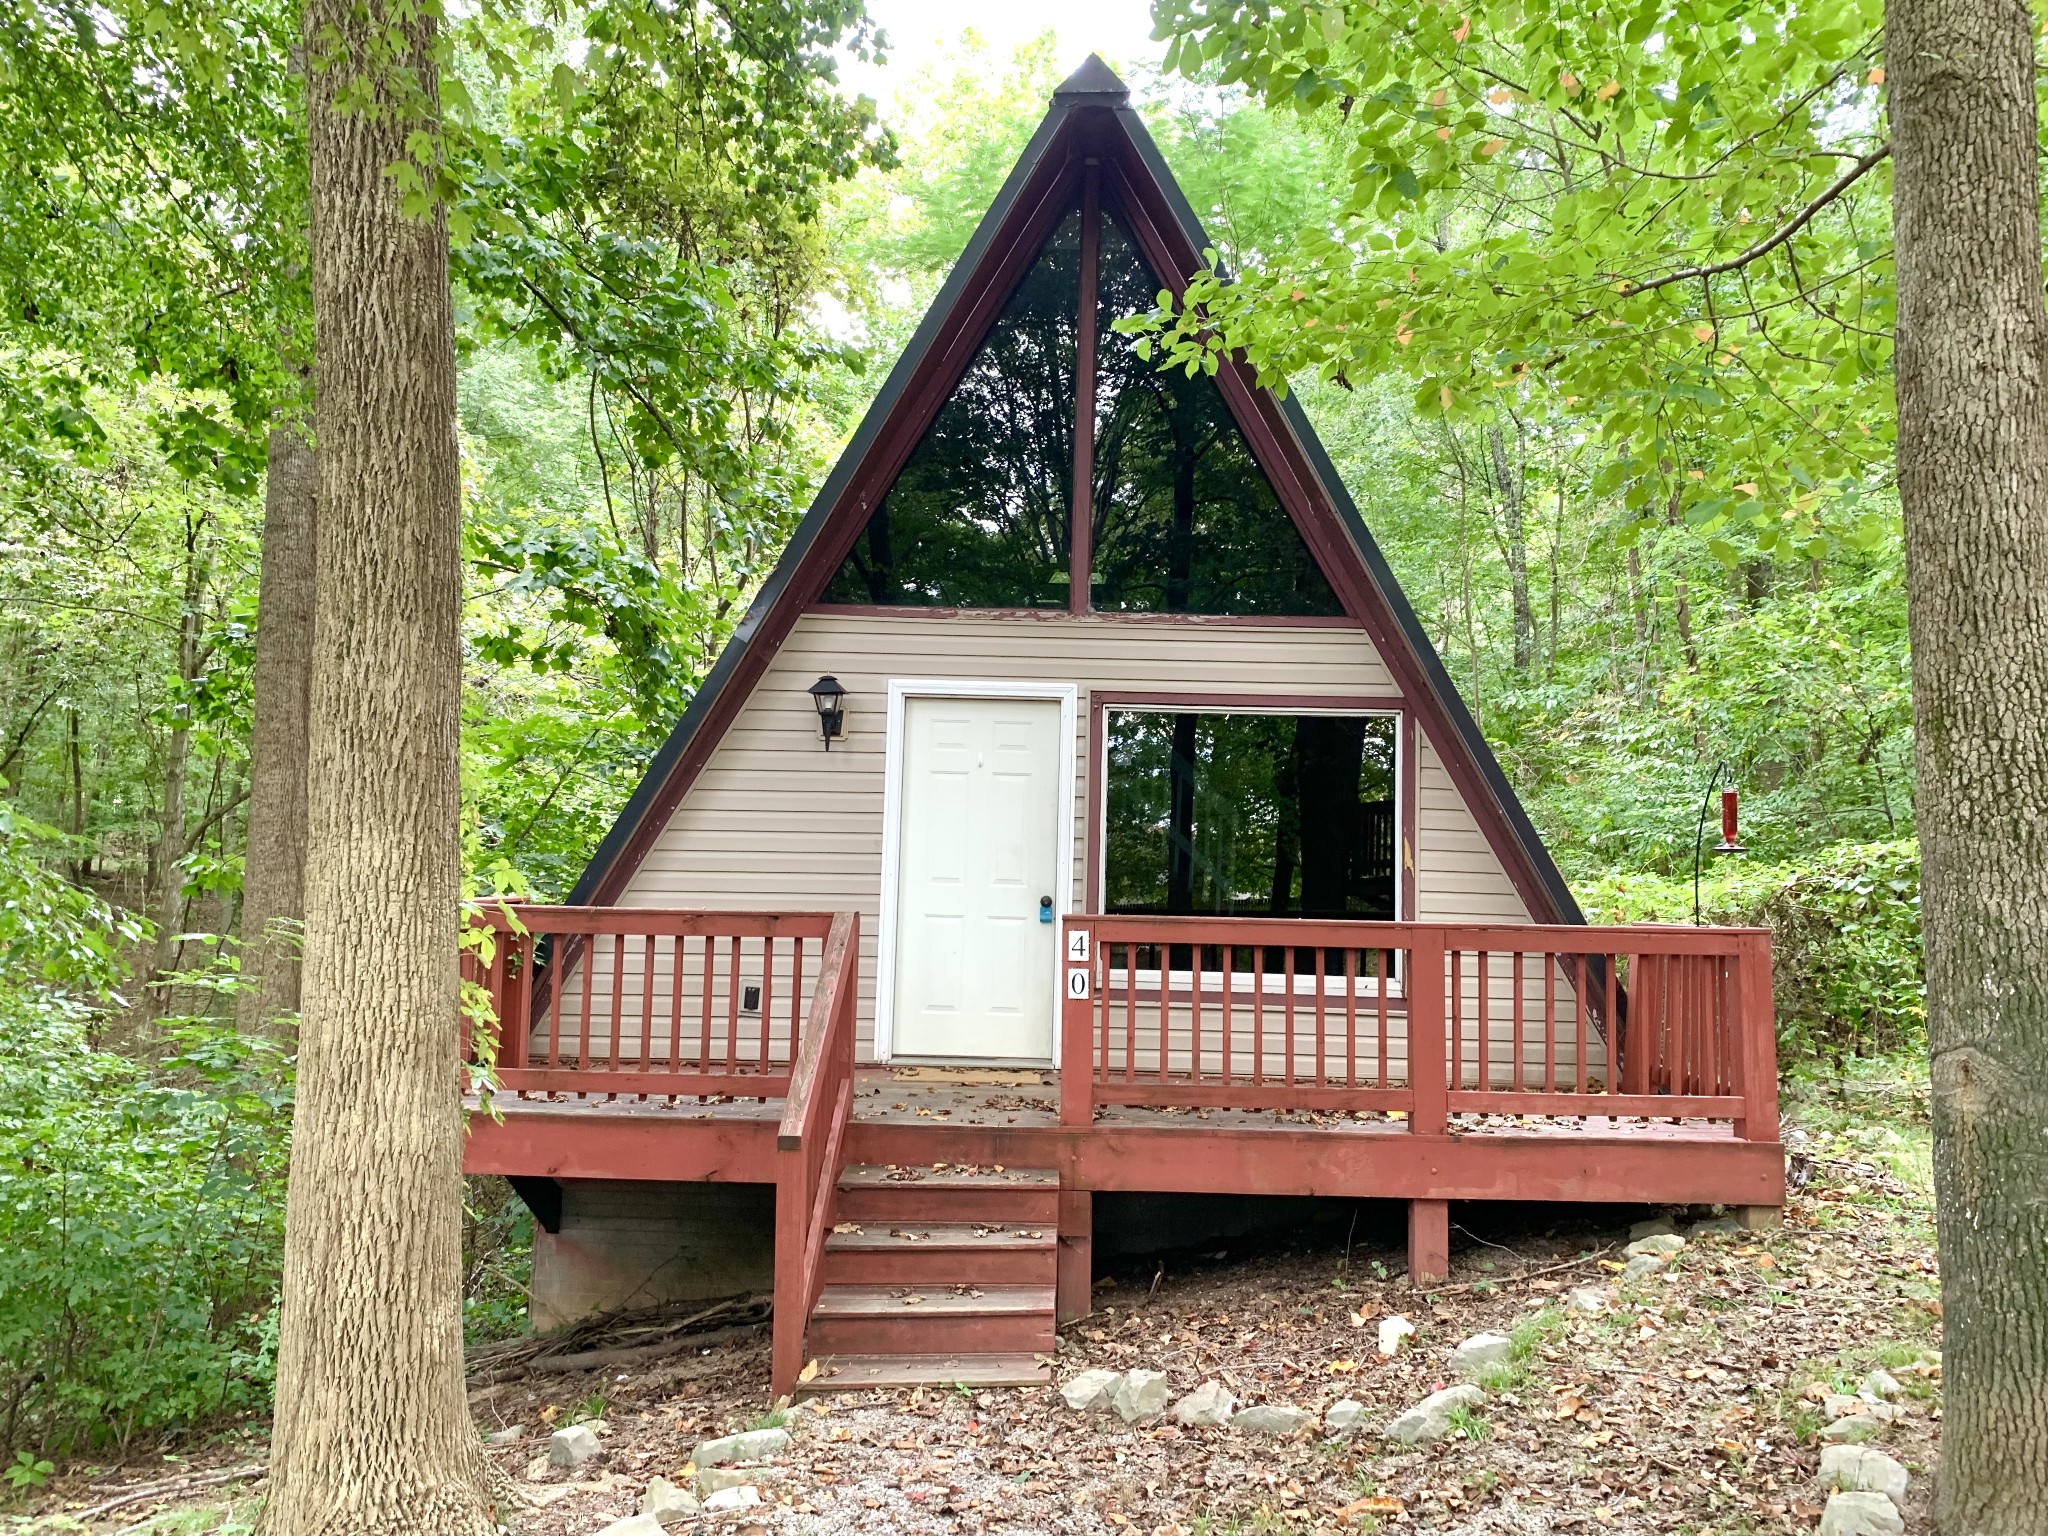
(668, 328)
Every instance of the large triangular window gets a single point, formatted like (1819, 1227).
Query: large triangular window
(1181, 517)
(1184, 520)
(979, 514)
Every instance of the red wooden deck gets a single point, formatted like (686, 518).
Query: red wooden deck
(1422, 1062)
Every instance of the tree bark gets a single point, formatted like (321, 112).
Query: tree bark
(168, 866)
(274, 850)
(1515, 546)
(371, 1433)
(1973, 480)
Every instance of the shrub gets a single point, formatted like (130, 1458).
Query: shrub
(141, 1227)
(1845, 935)
(141, 1205)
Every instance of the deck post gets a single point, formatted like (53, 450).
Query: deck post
(1759, 1039)
(1429, 1242)
(1429, 1114)
(1078, 970)
(786, 1359)
(1074, 1279)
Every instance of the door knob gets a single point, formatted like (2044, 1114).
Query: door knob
(1045, 909)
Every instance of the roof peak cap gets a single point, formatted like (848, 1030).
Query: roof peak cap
(1093, 78)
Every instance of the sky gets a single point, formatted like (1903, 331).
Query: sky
(1120, 30)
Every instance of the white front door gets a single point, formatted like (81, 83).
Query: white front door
(980, 844)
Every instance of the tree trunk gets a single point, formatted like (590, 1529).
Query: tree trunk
(1515, 545)
(274, 856)
(168, 865)
(1973, 479)
(372, 1434)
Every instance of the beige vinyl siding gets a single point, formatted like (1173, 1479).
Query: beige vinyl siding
(775, 822)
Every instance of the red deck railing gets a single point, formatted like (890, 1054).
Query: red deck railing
(808, 1147)
(1427, 1020)
(633, 1000)
(625, 1000)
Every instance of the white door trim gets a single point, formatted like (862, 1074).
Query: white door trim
(1067, 696)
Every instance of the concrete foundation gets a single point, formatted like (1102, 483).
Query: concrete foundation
(625, 1245)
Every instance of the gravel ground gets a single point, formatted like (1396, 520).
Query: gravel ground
(1690, 1405)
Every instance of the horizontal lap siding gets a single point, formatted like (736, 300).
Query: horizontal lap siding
(774, 821)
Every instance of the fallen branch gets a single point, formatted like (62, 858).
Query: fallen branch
(555, 1356)
(1527, 1274)
(170, 1488)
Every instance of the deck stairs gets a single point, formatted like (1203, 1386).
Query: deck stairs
(937, 1275)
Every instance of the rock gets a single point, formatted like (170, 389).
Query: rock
(1642, 1266)
(573, 1446)
(1207, 1407)
(745, 1496)
(1656, 1226)
(1430, 1419)
(1836, 1405)
(1880, 1386)
(1856, 1426)
(1860, 1469)
(1140, 1395)
(1720, 1226)
(538, 1468)
(1660, 1244)
(713, 1479)
(754, 1445)
(1395, 1332)
(1343, 1416)
(1860, 1514)
(666, 1502)
(1589, 1299)
(1091, 1389)
(1272, 1419)
(1480, 1351)
(633, 1525)
(507, 1435)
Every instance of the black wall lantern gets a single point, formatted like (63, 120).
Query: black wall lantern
(831, 701)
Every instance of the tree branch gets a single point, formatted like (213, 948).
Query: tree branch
(1779, 236)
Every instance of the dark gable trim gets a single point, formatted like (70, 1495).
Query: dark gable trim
(1090, 117)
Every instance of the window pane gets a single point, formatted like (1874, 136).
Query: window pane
(1251, 815)
(979, 515)
(1185, 520)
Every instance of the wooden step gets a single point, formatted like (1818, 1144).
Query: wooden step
(915, 1194)
(930, 1319)
(941, 1254)
(859, 1373)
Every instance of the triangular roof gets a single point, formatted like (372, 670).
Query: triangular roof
(1090, 123)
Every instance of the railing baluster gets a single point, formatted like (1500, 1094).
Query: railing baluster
(1549, 1022)
(647, 1003)
(1287, 977)
(705, 981)
(1350, 1017)
(1258, 1013)
(1229, 1004)
(1380, 964)
(1515, 982)
(1195, 1018)
(1322, 1071)
(767, 996)
(1483, 1008)
(732, 1007)
(618, 998)
(1131, 1006)
(1454, 1021)
(675, 1004)
(583, 1021)
(796, 995)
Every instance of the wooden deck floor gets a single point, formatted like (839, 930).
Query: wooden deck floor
(928, 1115)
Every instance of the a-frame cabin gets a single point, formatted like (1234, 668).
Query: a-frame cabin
(1079, 808)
